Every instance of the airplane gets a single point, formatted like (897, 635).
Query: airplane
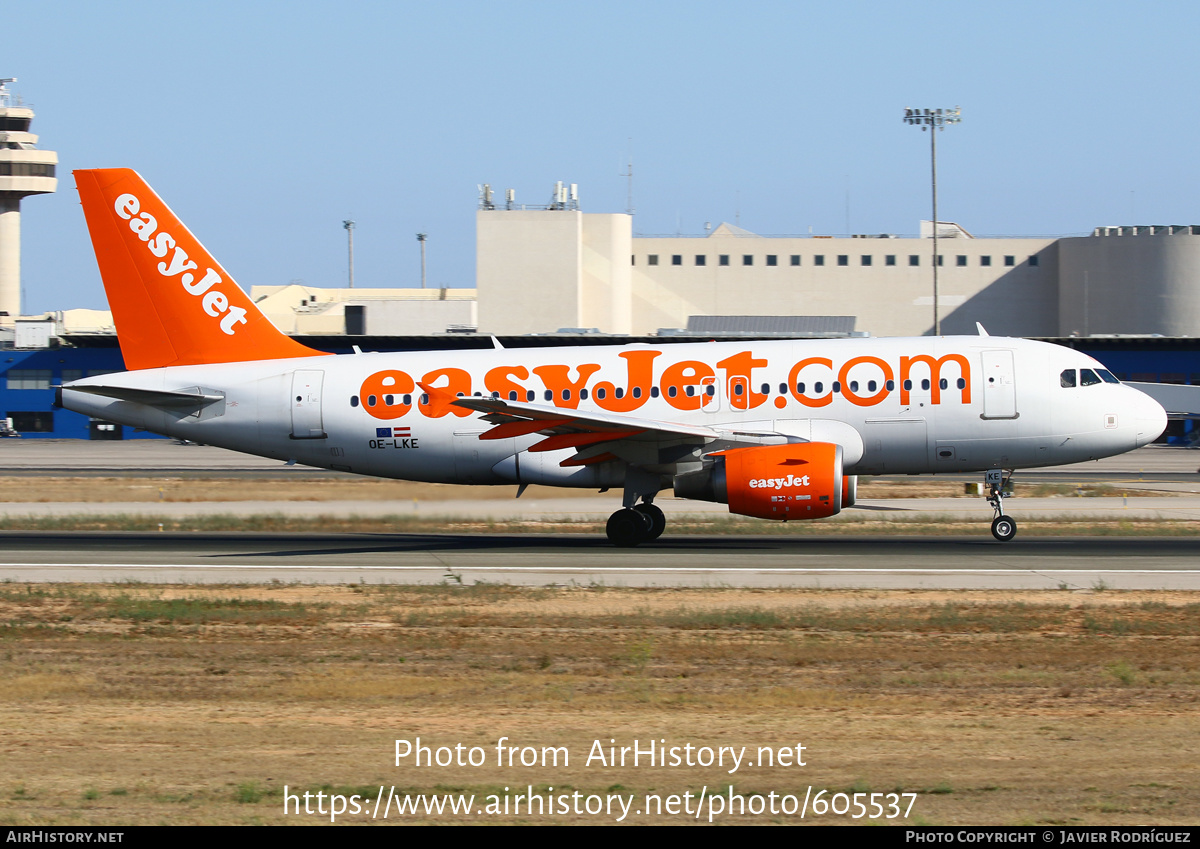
(778, 430)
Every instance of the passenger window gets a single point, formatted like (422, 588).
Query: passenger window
(907, 385)
(1067, 379)
(600, 394)
(709, 390)
(407, 400)
(1087, 377)
(353, 400)
(766, 389)
(818, 387)
(653, 392)
(854, 386)
(530, 395)
(388, 400)
(672, 391)
(637, 392)
(962, 384)
(689, 390)
(370, 400)
(871, 385)
(943, 384)
(925, 383)
(512, 395)
(738, 389)
(799, 388)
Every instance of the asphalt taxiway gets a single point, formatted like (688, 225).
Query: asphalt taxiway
(544, 559)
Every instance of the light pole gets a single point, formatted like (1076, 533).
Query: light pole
(934, 120)
(349, 225)
(421, 239)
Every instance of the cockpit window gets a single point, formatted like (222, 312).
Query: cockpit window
(1107, 376)
(1087, 377)
(1067, 379)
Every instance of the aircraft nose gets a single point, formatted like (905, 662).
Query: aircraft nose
(1150, 419)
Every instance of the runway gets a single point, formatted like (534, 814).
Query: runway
(1093, 563)
(83, 458)
(743, 560)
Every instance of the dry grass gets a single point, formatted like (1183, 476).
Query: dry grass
(144, 704)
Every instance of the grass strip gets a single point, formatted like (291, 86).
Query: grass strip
(927, 524)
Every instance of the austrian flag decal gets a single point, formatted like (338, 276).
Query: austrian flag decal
(387, 432)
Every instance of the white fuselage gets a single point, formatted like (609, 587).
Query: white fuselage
(913, 405)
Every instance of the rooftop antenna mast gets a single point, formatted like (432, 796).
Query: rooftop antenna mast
(628, 174)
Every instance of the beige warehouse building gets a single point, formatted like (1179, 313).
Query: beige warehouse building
(539, 270)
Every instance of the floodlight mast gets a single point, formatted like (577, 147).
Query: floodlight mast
(934, 120)
(349, 225)
(422, 238)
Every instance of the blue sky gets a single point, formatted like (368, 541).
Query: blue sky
(265, 124)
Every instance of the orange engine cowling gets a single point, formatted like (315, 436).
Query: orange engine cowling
(796, 481)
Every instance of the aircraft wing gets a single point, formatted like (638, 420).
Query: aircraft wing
(564, 428)
(596, 436)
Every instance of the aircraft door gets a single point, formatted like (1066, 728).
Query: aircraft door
(711, 400)
(306, 404)
(999, 385)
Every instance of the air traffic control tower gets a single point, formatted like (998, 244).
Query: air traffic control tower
(24, 170)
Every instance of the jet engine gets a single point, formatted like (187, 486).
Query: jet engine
(796, 481)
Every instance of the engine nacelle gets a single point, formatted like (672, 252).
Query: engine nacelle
(796, 481)
(849, 490)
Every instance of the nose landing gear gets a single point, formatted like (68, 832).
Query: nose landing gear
(1004, 527)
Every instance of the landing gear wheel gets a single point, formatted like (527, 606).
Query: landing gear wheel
(1004, 528)
(626, 528)
(658, 521)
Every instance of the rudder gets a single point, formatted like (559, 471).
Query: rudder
(172, 303)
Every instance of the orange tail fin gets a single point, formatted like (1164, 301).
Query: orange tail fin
(172, 303)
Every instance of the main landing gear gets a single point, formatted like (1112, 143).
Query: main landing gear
(1004, 527)
(637, 523)
(632, 525)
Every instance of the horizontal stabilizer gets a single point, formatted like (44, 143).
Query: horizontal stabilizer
(152, 397)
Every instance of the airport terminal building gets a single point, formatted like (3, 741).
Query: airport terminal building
(540, 270)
